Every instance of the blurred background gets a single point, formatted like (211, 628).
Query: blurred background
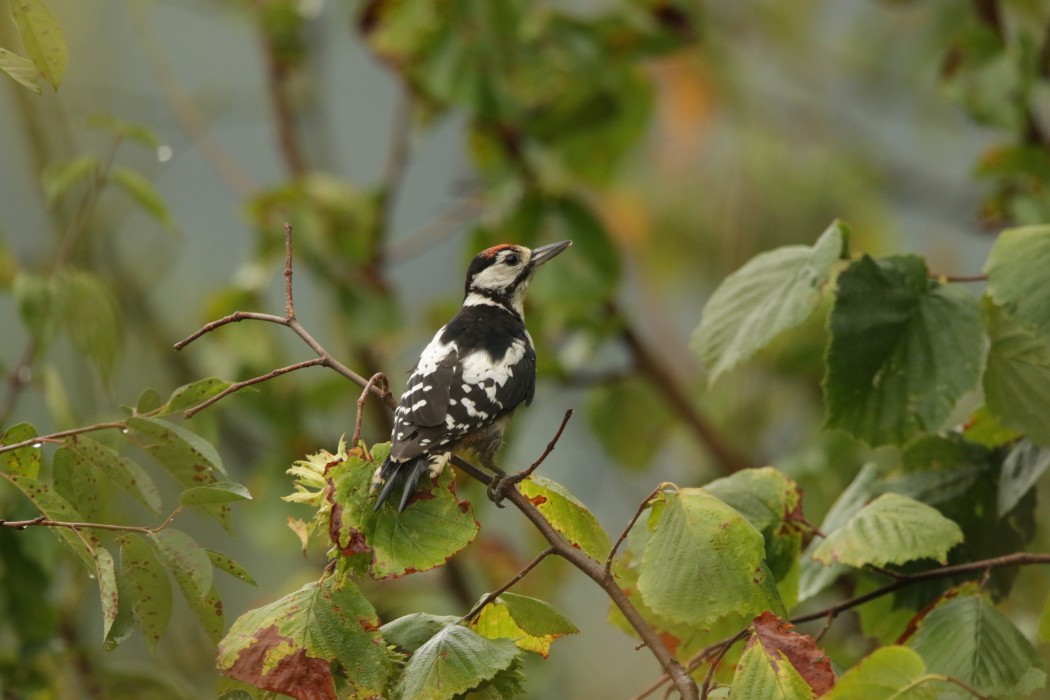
(671, 141)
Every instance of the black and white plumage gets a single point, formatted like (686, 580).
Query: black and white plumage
(478, 368)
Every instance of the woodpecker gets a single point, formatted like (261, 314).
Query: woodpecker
(477, 369)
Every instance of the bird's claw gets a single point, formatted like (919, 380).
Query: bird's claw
(495, 490)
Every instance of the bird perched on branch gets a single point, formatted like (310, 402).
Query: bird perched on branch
(478, 368)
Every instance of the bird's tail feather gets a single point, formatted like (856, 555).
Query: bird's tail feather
(401, 475)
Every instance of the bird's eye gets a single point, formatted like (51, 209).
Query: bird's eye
(512, 259)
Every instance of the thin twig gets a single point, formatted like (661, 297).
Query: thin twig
(490, 597)
(232, 318)
(237, 386)
(373, 380)
(289, 304)
(44, 521)
(525, 474)
(959, 278)
(54, 437)
(709, 678)
(630, 525)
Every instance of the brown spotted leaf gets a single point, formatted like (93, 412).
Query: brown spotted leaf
(291, 645)
(778, 637)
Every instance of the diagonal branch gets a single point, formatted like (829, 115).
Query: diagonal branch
(490, 597)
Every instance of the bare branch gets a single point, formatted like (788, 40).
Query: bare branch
(705, 689)
(232, 318)
(373, 381)
(289, 305)
(237, 386)
(44, 521)
(55, 437)
(522, 475)
(623, 535)
(489, 597)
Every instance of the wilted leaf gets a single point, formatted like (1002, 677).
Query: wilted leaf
(771, 293)
(290, 645)
(903, 350)
(892, 529)
(567, 515)
(779, 640)
(106, 575)
(770, 677)
(703, 561)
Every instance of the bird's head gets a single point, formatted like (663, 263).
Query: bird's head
(501, 274)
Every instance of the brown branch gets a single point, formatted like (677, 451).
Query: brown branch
(981, 277)
(709, 678)
(630, 525)
(237, 386)
(524, 474)
(664, 381)
(55, 437)
(324, 358)
(373, 380)
(44, 521)
(490, 597)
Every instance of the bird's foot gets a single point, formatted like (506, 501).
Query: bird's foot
(496, 488)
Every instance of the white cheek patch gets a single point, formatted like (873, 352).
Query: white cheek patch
(497, 276)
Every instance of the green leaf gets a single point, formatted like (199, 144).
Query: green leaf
(454, 661)
(1017, 376)
(149, 400)
(903, 350)
(892, 529)
(208, 609)
(290, 645)
(188, 457)
(433, 527)
(106, 571)
(703, 561)
(79, 486)
(142, 191)
(21, 69)
(766, 497)
(90, 316)
(530, 623)
(761, 675)
(771, 293)
(183, 556)
(81, 542)
(409, 632)
(190, 395)
(1044, 623)
(984, 429)
(968, 639)
(42, 38)
(1021, 470)
(889, 673)
(25, 461)
(129, 476)
(58, 178)
(148, 586)
(221, 492)
(1017, 279)
(37, 306)
(567, 515)
(814, 576)
(224, 563)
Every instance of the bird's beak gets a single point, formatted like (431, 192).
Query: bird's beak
(546, 252)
